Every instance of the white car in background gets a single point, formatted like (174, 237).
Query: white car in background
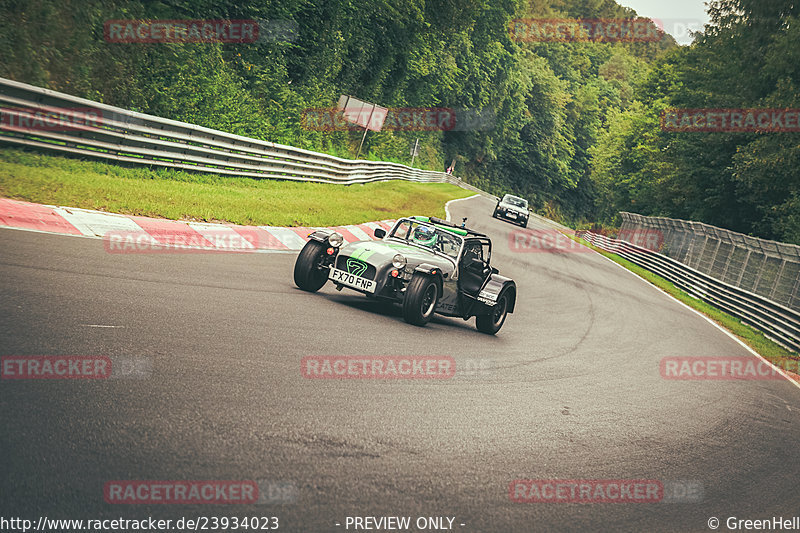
(512, 208)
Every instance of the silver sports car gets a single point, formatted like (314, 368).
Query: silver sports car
(427, 265)
(512, 208)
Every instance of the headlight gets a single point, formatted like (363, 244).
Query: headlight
(399, 261)
(335, 239)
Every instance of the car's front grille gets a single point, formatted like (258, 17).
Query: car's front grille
(355, 266)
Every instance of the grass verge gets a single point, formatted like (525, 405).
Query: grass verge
(180, 195)
(770, 350)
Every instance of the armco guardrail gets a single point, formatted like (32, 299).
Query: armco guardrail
(48, 120)
(768, 268)
(775, 320)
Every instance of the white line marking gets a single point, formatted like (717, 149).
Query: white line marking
(96, 223)
(100, 326)
(289, 238)
(95, 237)
(51, 232)
(358, 233)
(447, 205)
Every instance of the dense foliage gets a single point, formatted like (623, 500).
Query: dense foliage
(576, 124)
(748, 57)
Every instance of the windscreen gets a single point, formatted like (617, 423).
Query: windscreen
(428, 236)
(518, 202)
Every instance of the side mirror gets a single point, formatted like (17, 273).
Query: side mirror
(495, 271)
(380, 233)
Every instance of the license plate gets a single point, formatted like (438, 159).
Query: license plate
(351, 280)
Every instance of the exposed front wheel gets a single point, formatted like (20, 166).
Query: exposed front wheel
(308, 275)
(420, 301)
(492, 322)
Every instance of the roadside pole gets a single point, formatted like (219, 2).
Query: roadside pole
(366, 128)
(414, 151)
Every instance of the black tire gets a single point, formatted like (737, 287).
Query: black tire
(420, 301)
(524, 224)
(491, 323)
(494, 214)
(307, 274)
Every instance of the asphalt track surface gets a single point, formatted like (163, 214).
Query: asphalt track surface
(573, 391)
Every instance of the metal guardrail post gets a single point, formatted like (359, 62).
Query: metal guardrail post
(777, 279)
(699, 258)
(714, 257)
(760, 272)
(744, 268)
(793, 303)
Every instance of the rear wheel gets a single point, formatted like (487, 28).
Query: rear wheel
(492, 322)
(308, 273)
(420, 301)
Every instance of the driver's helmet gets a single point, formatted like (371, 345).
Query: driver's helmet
(424, 235)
